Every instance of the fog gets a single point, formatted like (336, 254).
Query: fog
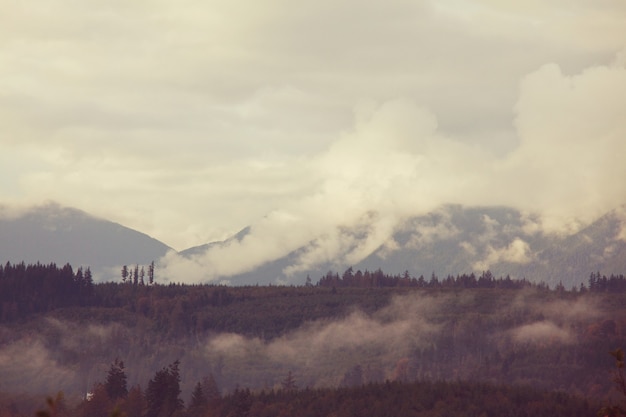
(190, 122)
(63, 355)
(395, 163)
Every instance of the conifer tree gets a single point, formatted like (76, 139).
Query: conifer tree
(210, 388)
(199, 400)
(163, 393)
(116, 381)
(289, 383)
(151, 273)
(136, 275)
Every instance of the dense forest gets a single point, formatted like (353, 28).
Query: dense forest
(390, 398)
(316, 349)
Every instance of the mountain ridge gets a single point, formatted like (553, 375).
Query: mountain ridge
(51, 233)
(451, 240)
(457, 239)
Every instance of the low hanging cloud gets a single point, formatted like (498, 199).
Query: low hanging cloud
(517, 252)
(193, 131)
(27, 366)
(570, 128)
(59, 357)
(558, 321)
(385, 336)
(190, 122)
(395, 164)
(542, 333)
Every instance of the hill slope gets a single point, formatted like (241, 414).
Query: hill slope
(52, 233)
(458, 239)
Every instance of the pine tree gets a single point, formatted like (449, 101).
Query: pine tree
(163, 393)
(151, 273)
(289, 383)
(136, 275)
(210, 388)
(116, 381)
(199, 399)
(88, 277)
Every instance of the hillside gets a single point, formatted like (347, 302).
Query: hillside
(325, 336)
(458, 239)
(52, 233)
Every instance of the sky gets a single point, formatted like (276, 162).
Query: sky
(191, 120)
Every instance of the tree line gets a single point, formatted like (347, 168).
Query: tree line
(137, 275)
(154, 324)
(602, 283)
(389, 398)
(378, 279)
(37, 288)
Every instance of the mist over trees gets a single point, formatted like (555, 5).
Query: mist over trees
(199, 347)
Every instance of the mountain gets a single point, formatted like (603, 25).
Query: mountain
(456, 239)
(198, 250)
(52, 233)
(506, 242)
(451, 240)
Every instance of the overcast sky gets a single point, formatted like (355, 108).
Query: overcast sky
(189, 120)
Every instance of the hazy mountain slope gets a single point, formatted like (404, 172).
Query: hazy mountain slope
(597, 247)
(52, 233)
(503, 240)
(457, 239)
(197, 250)
(451, 240)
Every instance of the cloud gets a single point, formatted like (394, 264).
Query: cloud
(395, 164)
(621, 216)
(189, 122)
(27, 366)
(567, 312)
(517, 251)
(558, 319)
(541, 333)
(59, 356)
(363, 178)
(570, 129)
(438, 226)
(321, 346)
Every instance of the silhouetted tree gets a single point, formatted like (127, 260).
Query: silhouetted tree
(116, 381)
(151, 273)
(289, 383)
(199, 400)
(136, 275)
(163, 393)
(210, 388)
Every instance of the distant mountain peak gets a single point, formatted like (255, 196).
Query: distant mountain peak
(455, 239)
(51, 233)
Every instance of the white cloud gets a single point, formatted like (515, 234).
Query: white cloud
(542, 333)
(395, 163)
(621, 215)
(571, 130)
(426, 232)
(392, 332)
(191, 121)
(517, 251)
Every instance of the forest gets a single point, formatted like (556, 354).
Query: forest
(391, 345)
